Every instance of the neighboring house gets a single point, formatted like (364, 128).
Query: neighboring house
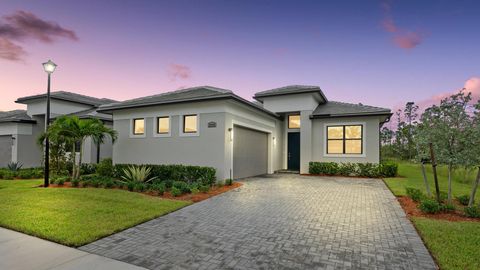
(285, 128)
(20, 129)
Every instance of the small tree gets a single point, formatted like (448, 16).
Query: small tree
(473, 155)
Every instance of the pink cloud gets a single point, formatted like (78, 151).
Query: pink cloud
(22, 26)
(178, 71)
(11, 51)
(402, 38)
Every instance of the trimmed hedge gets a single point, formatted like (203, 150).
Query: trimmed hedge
(183, 173)
(28, 173)
(372, 170)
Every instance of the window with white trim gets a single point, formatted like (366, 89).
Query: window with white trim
(190, 124)
(163, 125)
(345, 139)
(138, 126)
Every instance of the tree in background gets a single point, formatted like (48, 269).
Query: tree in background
(473, 156)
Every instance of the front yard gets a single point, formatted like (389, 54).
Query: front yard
(75, 216)
(454, 244)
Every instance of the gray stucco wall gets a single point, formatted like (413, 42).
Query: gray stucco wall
(206, 149)
(371, 139)
(5, 150)
(29, 153)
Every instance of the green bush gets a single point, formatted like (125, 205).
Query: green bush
(105, 167)
(168, 183)
(182, 186)
(75, 182)
(84, 184)
(8, 175)
(159, 188)
(95, 183)
(87, 168)
(184, 173)
(415, 194)
(430, 206)
(371, 170)
(60, 181)
(25, 174)
(139, 187)
(448, 207)
(463, 199)
(228, 181)
(472, 212)
(108, 183)
(204, 188)
(131, 186)
(176, 192)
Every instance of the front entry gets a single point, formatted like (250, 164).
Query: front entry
(293, 151)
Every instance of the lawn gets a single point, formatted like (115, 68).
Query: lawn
(75, 216)
(410, 175)
(454, 245)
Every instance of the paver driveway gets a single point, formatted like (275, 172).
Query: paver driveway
(278, 222)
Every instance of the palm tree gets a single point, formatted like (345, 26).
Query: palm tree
(75, 130)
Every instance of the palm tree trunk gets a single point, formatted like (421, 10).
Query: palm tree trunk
(450, 183)
(80, 159)
(474, 189)
(425, 180)
(73, 155)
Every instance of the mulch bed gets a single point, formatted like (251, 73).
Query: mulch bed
(411, 209)
(215, 190)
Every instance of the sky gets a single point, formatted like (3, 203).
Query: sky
(381, 53)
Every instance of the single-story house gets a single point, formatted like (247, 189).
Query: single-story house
(20, 129)
(284, 129)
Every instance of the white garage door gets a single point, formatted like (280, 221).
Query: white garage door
(250, 152)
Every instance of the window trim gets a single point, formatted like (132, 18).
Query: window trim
(288, 121)
(182, 126)
(362, 139)
(132, 128)
(155, 126)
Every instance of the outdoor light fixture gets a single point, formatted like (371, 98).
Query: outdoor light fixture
(231, 134)
(49, 68)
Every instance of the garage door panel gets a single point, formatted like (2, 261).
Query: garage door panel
(5, 150)
(250, 152)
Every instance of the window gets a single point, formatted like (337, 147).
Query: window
(345, 139)
(163, 125)
(190, 123)
(294, 121)
(139, 126)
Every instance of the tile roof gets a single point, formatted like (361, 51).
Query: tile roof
(16, 116)
(290, 89)
(90, 113)
(335, 108)
(199, 93)
(69, 96)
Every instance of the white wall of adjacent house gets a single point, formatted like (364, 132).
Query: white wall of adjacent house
(57, 107)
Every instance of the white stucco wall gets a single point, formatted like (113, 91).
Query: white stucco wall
(290, 103)
(57, 107)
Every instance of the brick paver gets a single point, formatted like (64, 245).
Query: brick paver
(278, 222)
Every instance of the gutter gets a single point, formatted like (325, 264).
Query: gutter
(321, 116)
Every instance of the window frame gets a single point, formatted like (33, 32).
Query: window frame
(344, 140)
(288, 121)
(132, 128)
(156, 132)
(182, 126)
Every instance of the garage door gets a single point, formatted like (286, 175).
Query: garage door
(5, 150)
(250, 152)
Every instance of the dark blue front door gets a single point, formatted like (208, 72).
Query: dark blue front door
(294, 151)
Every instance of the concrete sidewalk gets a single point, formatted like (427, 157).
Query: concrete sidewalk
(19, 251)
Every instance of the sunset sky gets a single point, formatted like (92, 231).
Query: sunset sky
(381, 53)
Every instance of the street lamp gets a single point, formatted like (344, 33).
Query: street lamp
(49, 67)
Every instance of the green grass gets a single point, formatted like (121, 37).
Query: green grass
(410, 175)
(455, 245)
(75, 216)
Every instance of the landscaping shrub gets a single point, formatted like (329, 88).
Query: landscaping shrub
(60, 181)
(194, 190)
(14, 166)
(131, 186)
(228, 181)
(105, 167)
(415, 194)
(8, 175)
(430, 206)
(463, 199)
(158, 187)
(84, 184)
(139, 187)
(448, 207)
(168, 183)
(176, 192)
(184, 173)
(87, 168)
(25, 174)
(108, 183)
(204, 188)
(75, 182)
(141, 174)
(95, 183)
(371, 170)
(472, 212)
(182, 186)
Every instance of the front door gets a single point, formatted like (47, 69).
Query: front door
(294, 151)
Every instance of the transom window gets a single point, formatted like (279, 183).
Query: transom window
(345, 139)
(163, 125)
(294, 121)
(190, 123)
(139, 126)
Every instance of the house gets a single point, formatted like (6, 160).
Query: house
(20, 129)
(284, 129)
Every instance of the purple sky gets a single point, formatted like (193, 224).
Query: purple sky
(380, 53)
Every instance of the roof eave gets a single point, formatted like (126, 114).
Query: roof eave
(258, 97)
(23, 100)
(320, 116)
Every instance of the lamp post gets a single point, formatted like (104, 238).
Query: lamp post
(49, 67)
